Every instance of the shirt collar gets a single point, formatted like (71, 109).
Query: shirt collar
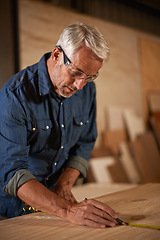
(45, 84)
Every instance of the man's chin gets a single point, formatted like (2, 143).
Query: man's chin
(66, 94)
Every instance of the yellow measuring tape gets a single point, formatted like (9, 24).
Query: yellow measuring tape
(137, 224)
(143, 225)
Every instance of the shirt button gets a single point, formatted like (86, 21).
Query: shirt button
(62, 125)
(55, 164)
(34, 129)
(62, 147)
(81, 123)
(47, 127)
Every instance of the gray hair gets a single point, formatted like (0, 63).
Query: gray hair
(76, 35)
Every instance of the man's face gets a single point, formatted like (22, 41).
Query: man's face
(66, 77)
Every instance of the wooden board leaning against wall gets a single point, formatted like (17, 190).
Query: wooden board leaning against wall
(150, 59)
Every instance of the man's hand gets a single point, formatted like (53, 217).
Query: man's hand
(89, 212)
(65, 192)
(64, 184)
(92, 213)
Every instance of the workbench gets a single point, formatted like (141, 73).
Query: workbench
(140, 204)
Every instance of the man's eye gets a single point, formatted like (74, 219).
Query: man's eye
(75, 73)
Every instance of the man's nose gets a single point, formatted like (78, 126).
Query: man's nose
(79, 83)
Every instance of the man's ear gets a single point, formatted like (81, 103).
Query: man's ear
(55, 54)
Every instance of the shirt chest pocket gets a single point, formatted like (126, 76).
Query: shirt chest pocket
(79, 124)
(39, 134)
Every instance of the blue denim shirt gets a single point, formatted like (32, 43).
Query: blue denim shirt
(41, 131)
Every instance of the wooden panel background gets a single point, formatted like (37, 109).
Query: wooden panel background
(150, 63)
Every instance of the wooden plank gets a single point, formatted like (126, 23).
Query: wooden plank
(96, 153)
(147, 157)
(112, 138)
(156, 115)
(99, 167)
(101, 152)
(92, 190)
(140, 205)
(114, 118)
(150, 59)
(154, 101)
(117, 172)
(155, 123)
(128, 163)
(134, 123)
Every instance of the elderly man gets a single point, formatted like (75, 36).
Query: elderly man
(48, 130)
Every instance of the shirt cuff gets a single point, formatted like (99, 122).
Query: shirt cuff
(78, 163)
(19, 178)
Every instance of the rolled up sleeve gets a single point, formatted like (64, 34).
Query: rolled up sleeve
(19, 178)
(79, 164)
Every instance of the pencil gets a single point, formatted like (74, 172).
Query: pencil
(120, 221)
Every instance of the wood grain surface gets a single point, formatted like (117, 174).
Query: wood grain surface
(140, 205)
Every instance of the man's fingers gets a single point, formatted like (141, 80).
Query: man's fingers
(92, 214)
(100, 220)
(105, 208)
(99, 216)
(93, 224)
